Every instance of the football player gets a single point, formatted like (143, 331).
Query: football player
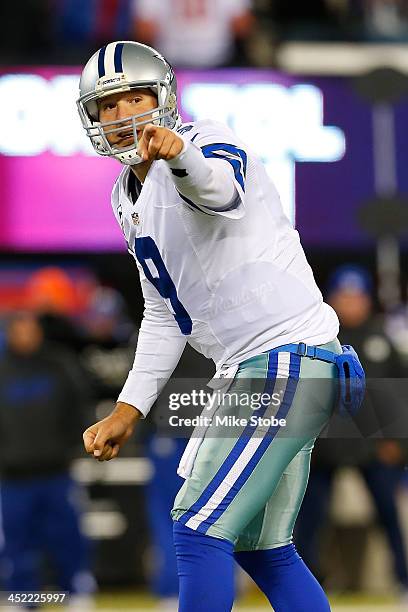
(222, 268)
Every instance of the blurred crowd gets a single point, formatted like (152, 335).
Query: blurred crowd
(380, 462)
(66, 346)
(192, 33)
(67, 342)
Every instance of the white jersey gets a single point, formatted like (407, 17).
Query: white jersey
(193, 32)
(220, 264)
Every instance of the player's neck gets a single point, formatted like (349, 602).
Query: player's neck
(141, 170)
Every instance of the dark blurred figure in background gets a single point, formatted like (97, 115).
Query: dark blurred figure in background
(380, 462)
(108, 345)
(314, 21)
(164, 451)
(165, 454)
(380, 20)
(335, 20)
(51, 294)
(82, 26)
(109, 339)
(42, 414)
(195, 33)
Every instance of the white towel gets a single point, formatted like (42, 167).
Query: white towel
(221, 382)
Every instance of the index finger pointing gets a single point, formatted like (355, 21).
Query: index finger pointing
(149, 131)
(143, 143)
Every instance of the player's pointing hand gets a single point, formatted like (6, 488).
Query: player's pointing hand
(104, 439)
(159, 143)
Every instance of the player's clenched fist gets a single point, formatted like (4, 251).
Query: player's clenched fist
(104, 439)
(159, 143)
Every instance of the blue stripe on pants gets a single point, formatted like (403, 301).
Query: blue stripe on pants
(242, 443)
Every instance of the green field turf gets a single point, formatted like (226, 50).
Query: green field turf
(140, 603)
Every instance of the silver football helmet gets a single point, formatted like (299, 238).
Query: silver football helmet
(120, 67)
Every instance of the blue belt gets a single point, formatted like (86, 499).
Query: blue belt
(349, 369)
(305, 350)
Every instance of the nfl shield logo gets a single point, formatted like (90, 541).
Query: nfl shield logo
(135, 218)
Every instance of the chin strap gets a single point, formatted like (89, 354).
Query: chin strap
(130, 162)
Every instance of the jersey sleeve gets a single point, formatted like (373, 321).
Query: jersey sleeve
(210, 172)
(159, 348)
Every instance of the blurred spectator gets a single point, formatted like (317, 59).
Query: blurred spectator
(107, 355)
(383, 20)
(350, 292)
(192, 372)
(50, 289)
(380, 463)
(165, 454)
(109, 340)
(194, 33)
(42, 416)
(315, 20)
(51, 294)
(396, 325)
(82, 26)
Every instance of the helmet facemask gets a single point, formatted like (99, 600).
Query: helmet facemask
(165, 114)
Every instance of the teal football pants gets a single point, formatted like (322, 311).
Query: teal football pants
(248, 481)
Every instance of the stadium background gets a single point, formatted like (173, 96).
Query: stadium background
(321, 93)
